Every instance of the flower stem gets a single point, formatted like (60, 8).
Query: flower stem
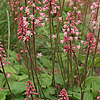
(34, 48)
(52, 54)
(92, 65)
(33, 68)
(86, 61)
(86, 8)
(6, 79)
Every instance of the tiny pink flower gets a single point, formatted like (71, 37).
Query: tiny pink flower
(31, 17)
(98, 97)
(21, 8)
(54, 36)
(8, 75)
(62, 41)
(33, 4)
(78, 47)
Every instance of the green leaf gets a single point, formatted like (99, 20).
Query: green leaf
(2, 96)
(45, 80)
(76, 93)
(95, 89)
(19, 98)
(10, 69)
(46, 62)
(49, 92)
(21, 69)
(5, 91)
(2, 80)
(17, 87)
(88, 96)
(59, 79)
(97, 62)
(91, 79)
(20, 77)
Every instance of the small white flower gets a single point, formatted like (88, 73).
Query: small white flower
(62, 41)
(24, 38)
(28, 33)
(70, 38)
(79, 12)
(82, 41)
(31, 17)
(65, 26)
(39, 55)
(78, 47)
(8, 75)
(54, 36)
(24, 18)
(37, 21)
(26, 23)
(60, 18)
(27, 10)
(69, 13)
(64, 30)
(94, 22)
(21, 8)
(65, 33)
(76, 38)
(92, 7)
(77, 33)
(33, 4)
(46, 19)
(42, 14)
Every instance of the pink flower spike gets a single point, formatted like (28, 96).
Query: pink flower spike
(30, 91)
(63, 95)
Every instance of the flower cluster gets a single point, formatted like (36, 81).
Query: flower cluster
(74, 3)
(33, 18)
(53, 4)
(95, 8)
(30, 91)
(91, 43)
(23, 30)
(15, 7)
(95, 5)
(3, 56)
(71, 32)
(63, 95)
(54, 10)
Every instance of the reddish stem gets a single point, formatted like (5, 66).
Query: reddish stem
(6, 79)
